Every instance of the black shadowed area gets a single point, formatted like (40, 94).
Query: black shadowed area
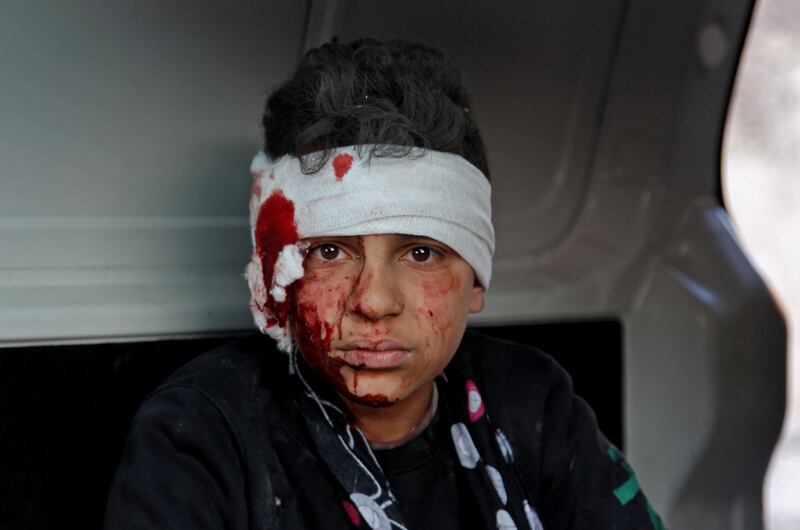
(65, 410)
(591, 352)
(64, 415)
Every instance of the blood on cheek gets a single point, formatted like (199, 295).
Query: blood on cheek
(276, 228)
(314, 336)
(436, 297)
(317, 317)
(441, 287)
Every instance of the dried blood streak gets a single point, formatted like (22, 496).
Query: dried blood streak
(375, 400)
(309, 331)
(314, 337)
(341, 165)
(275, 228)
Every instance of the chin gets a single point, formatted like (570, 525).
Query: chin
(373, 389)
(376, 401)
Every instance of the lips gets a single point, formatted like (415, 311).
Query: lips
(375, 355)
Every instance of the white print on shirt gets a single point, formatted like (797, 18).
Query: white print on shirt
(465, 447)
(533, 519)
(372, 514)
(504, 521)
(497, 481)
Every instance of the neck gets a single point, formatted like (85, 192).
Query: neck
(394, 424)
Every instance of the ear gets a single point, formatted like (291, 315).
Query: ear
(476, 298)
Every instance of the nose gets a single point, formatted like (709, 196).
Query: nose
(376, 295)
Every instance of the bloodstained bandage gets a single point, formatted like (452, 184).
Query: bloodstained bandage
(425, 193)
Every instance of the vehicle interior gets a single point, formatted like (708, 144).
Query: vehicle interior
(127, 131)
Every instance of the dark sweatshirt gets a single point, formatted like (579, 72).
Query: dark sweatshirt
(222, 444)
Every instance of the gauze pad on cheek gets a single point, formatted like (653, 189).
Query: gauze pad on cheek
(425, 193)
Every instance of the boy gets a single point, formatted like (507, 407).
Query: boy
(372, 242)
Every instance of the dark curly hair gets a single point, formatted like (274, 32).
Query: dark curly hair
(394, 95)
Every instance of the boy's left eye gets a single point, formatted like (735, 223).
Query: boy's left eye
(423, 254)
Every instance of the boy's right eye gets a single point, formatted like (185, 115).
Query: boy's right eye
(325, 253)
(328, 251)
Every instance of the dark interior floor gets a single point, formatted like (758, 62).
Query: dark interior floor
(65, 410)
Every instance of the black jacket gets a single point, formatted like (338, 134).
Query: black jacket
(221, 444)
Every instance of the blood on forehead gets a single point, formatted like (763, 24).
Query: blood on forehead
(275, 228)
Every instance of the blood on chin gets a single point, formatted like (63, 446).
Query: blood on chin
(314, 338)
(371, 400)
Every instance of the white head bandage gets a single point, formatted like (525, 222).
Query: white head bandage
(426, 193)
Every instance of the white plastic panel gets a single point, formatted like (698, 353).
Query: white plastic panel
(704, 384)
(126, 131)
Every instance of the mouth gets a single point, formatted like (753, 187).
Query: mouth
(374, 355)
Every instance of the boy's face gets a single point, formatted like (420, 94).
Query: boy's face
(380, 316)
